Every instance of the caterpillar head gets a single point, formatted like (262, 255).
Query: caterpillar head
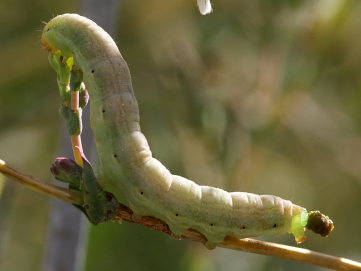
(319, 223)
(53, 34)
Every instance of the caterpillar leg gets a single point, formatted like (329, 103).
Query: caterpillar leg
(136, 218)
(210, 245)
(99, 205)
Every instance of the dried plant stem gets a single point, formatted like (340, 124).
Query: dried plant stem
(252, 245)
(291, 253)
(246, 245)
(39, 186)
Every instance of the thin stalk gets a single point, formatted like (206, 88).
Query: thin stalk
(291, 253)
(41, 187)
(76, 139)
(246, 244)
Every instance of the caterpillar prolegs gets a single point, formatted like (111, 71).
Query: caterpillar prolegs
(148, 188)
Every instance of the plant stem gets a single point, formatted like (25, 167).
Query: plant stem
(39, 186)
(76, 139)
(291, 253)
(252, 245)
(246, 244)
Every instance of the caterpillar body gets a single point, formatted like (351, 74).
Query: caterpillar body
(148, 188)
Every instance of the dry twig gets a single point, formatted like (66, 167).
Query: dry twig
(246, 244)
(39, 186)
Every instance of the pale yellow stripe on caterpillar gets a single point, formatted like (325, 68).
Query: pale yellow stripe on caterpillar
(148, 187)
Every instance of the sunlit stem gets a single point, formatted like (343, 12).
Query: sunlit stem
(76, 139)
(247, 244)
(39, 186)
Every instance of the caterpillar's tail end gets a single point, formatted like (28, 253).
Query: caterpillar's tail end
(298, 224)
(319, 223)
(2, 163)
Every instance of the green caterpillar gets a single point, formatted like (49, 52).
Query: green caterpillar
(148, 188)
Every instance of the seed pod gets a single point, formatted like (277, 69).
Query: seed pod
(67, 171)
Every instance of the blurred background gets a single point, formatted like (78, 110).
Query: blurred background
(259, 96)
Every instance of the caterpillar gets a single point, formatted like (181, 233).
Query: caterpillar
(147, 187)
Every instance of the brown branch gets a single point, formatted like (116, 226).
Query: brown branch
(39, 186)
(251, 245)
(246, 244)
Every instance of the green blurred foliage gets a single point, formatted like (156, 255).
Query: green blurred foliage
(259, 96)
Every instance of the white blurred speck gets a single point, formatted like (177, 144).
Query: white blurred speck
(204, 6)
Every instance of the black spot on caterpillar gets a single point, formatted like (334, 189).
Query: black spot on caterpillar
(149, 189)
